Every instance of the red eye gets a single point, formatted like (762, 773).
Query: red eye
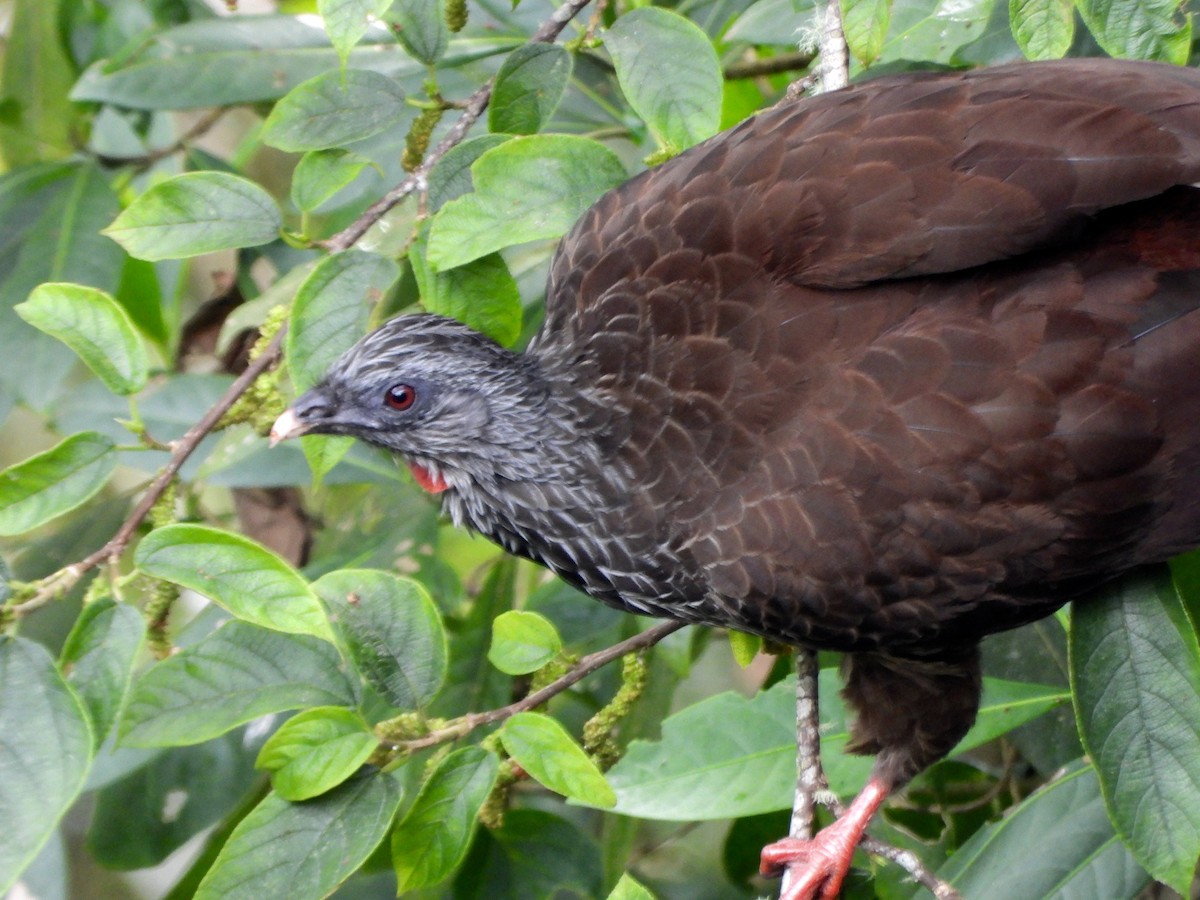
(400, 396)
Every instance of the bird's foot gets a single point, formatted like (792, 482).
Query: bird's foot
(816, 867)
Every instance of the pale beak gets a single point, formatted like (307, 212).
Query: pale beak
(288, 425)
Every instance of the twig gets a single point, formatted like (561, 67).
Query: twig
(183, 448)
(474, 107)
(145, 160)
(835, 57)
(810, 778)
(772, 65)
(579, 671)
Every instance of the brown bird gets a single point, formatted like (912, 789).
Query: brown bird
(884, 371)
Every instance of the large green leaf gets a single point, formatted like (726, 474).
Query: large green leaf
(481, 293)
(96, 327)
(1135, 671)
(731, 756)
(526, 189)
(303, 850)
(669, 71)
(236, 674)
(51, 483)
(331, 310)
(529, 87)
(1057, 845)
(533, 854)
(99, 656)
(333, 109)
(196, 213)
(431, 841)
(223, 62)
(143, 817)
(44, 754)
(1139, 29)
(52, 219)
(244, 577)
(392, 630)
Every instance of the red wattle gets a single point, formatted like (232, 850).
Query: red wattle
(435, 484)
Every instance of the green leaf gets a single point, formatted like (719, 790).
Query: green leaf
(629, 889)
(1044, 29)
(51, 483)
(98, 659)
(303, 850)
(96, 327)
(243, 577)
(522, 642)
(745, 647)
(1139, 29)
(1014, 858)
(44, 754)
(331, 310)
(526, 189)
(320, 174)
(481, 293)
(421, 27)
(937, 34)
(236, 674)
(52, 217)
(529, 87)
(392, 630)
(231, 60)
(731, 756)
(432, 840)
(149, 813)
(335, 108)
(451, 176)
(323, 452)
(550, 755)
(195, 213)
(669, 72)
(346, 21)
(1135, 672)
(533, 854)
(865, 24)
(315, 751)
(39, 120)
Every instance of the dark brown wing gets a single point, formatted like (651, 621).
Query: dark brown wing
(904, 462)
(899, 176)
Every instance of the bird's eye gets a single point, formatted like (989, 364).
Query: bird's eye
(400, 396)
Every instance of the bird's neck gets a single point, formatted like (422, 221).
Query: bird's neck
(551, 459)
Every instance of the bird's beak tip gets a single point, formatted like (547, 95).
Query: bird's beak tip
(288, 425)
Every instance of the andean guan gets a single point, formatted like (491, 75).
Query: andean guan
(883, 371)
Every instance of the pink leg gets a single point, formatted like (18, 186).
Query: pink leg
(818, 866)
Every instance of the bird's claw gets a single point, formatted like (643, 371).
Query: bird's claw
(816, 867)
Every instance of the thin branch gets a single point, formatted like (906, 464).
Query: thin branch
(911, 863)
(183, 448)
(579, 671)
(773, 65)
(145, 160)
(810, 777)
(475, 105)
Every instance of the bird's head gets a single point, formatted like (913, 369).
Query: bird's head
(452, 402)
